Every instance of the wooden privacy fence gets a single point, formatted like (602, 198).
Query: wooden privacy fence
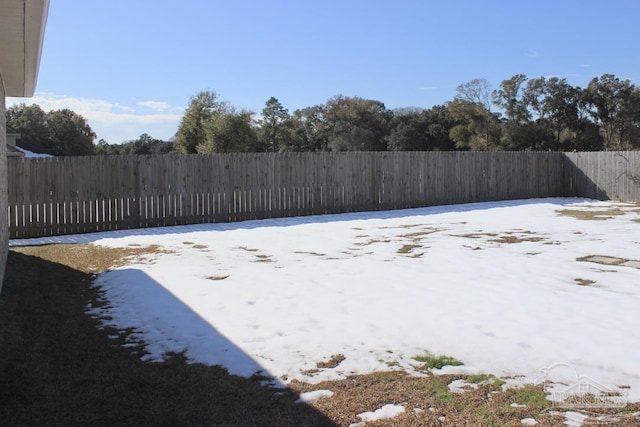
(65, 195)
(603, 175)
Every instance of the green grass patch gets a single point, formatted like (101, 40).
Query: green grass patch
(487, 380)
(478, 378)
(386, 376)
(437, 362)
(437, 389)
(533, 395)
(497, 383)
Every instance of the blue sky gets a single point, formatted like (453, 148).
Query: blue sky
(130, 66)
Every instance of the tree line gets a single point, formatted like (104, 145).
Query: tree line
(56, 132)
(545, 113)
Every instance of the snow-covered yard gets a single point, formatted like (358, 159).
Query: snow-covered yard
(508, 288)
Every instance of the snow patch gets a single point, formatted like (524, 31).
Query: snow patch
(387, 411)
(312, 396)
(345, 284)
(574, 419)
(28, 153)
(461, 386)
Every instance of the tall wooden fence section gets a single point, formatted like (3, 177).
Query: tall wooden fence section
(603, 175)
(65, 195)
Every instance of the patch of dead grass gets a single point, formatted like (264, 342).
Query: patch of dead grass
(429, 402)
(587, 214)
(510, 238)
(419, 234)
(408, 249)
(310, 372)
(333, 362)
(91, 258)
(372, 242)
(584, 282)
(477, 235)
(611, 260)
(220, 277)
(602, 259)
(311, 253)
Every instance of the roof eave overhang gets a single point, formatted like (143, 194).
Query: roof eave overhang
(22, 25)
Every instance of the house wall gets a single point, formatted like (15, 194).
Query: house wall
(4, 222)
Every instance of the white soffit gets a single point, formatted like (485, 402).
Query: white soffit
(22, 24)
